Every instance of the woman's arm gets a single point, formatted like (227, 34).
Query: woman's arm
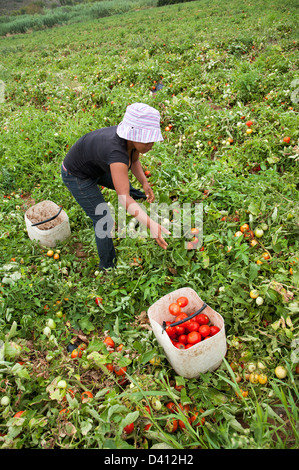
(137, 171)
(119, 173)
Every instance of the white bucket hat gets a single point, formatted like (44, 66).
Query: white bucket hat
(141, 123)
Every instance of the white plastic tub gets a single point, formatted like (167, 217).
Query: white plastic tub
(200, 358)
(47, 237)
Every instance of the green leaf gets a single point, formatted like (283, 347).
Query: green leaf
(179, 257)
(116, 409)
(254, 208)
(86, 325)
(147, 356)
(274, 214)
(253, 271)
(95, 345)
(85, 426)
(130, 418)
(20, 371)
(205, 260)
(216, 397)
(12, 331)
(116, 326)
(97, 358)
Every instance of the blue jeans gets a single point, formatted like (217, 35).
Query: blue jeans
(88, 194)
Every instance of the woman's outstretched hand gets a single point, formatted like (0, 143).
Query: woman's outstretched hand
(156, 232)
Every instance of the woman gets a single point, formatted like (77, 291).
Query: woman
(103, 157)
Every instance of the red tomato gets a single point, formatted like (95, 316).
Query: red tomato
(202, 319)
(189, 345)
(109, 342)
(248, 234)
(71, 392)
(180, 329)
(120, 370)
(129, 428)
(193, 337)
(76, 353)
(18, 414)
(172, 425)
(182, 301)
(214, 329)
(244, 227)
(192, 325)
(183, 339)
(185, 408)
(171, 406)
(85, 395)
(249, 123)
(179, 345)
(182, 424)
(204, 330)
(174, 309)
(207, 337)
(194, 418)
(170, 330)
(179, 387)
(181, 316)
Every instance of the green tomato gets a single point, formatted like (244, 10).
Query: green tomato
(47, 331)
(261, 365)
(5, 400)
(51, 324)
(62, 384)
(59, 314)
(259, 300)
(280, 372)
(156, 404)
(259, 232)
(251, 367)
(246, 355)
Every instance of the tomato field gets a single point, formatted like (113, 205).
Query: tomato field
(80, 366)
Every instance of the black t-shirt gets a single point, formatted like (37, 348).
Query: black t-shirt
(93, 153)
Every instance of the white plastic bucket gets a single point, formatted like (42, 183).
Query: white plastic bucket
(50, 236)
(200, 358)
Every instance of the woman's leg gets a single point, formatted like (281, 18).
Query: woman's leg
(88, 195)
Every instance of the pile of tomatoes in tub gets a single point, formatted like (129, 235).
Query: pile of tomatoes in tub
(191, 332)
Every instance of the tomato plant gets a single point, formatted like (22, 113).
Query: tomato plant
(228, 103)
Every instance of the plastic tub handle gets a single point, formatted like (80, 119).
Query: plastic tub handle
(48, 220)
(184, 319)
